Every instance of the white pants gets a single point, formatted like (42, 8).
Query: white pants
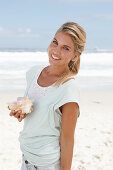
(29, 166)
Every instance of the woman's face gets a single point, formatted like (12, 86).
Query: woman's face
(62, 48)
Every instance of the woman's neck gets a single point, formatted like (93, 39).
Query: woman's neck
(52, 71)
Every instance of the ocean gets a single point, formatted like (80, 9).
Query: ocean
(96, 68)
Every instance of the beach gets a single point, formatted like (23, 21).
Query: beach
(94, 129)
(93, 133)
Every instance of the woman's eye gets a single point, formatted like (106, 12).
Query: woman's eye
(54, 42)
(66, 48)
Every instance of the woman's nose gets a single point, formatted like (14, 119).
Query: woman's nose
(57, 50)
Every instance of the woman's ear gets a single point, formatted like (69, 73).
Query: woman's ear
(76, 56)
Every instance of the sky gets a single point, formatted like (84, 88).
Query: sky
(33, 23)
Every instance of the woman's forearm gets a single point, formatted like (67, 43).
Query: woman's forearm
(66, 154)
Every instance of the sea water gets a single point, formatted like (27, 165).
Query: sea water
(96, 68)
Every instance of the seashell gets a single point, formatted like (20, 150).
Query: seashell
(22, 103)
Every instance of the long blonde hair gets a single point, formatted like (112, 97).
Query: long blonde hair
(78, 36)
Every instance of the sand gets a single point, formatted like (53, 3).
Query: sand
(93, 148)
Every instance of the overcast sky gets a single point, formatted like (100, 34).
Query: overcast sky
(33, 23)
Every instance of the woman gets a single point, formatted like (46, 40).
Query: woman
(47, 138)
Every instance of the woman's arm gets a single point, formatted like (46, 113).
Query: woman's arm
(69, 119)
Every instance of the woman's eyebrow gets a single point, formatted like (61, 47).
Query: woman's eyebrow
(64, 45)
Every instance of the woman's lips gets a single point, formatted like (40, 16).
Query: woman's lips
(55, 59)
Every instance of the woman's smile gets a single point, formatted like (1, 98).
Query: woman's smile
(54, 58)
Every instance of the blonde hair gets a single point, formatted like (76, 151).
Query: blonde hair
(78, 36)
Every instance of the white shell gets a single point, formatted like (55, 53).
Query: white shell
(22, 103)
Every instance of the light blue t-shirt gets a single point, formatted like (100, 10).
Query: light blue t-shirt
(40, 137)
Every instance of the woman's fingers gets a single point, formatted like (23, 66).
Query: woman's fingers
(9, 108)
(22, 116)
(18, 114)
(15, 113)
(25, 114)
(20, 119)
(12, 113)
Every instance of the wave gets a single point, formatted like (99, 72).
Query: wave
(15, 64)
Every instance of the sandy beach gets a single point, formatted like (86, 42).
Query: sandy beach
(93, 149)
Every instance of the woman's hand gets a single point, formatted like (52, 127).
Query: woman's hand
(17, 114)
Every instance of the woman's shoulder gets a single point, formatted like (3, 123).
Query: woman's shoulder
(32, 71)
(36, 68)
(70, 86)
(69, 82)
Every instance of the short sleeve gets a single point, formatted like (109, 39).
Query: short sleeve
(70, 93)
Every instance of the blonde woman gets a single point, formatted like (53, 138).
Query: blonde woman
(47, 138)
